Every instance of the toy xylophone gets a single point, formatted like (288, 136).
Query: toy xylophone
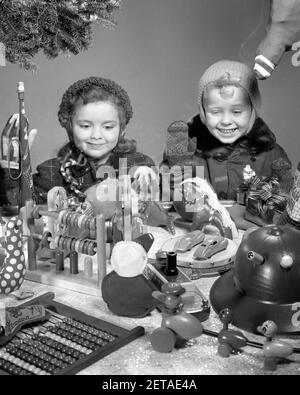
(67, 342)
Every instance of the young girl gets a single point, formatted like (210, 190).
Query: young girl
(229, 132)
(94, 111)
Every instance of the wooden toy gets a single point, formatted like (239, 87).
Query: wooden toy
(230, 341)
(275, 351)
(70, 230)
(67, 342)
(74, 231)
(177, 326)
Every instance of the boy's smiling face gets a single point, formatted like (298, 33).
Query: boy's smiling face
(96, 129)
(228, 113)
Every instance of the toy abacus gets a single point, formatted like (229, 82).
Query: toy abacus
(67, 342)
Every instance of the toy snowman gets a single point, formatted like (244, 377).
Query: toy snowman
(125, 290)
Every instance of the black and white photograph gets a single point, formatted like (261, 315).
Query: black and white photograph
(149, 190)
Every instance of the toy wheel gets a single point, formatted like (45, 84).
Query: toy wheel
(163, 340)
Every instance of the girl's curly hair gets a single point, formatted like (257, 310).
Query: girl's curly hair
(90, 90)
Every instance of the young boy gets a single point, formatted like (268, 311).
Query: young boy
(229, 132)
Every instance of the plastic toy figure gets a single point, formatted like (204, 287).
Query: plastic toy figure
(177, 326)
(275, 351)
(230, 341)
(125, 290)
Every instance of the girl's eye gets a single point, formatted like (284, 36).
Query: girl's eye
(84, 126)
(109, 127)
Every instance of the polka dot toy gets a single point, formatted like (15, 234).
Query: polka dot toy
(13, 269)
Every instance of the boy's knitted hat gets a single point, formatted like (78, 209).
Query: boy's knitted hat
(229, 71)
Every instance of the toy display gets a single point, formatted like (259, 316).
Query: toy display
(177, 326)
(67, 342)
(262, 286)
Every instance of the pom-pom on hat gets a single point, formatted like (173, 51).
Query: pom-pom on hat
(79, 88)
(237, 73)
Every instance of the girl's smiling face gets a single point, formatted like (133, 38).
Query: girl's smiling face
(96, 129)
(228, 113)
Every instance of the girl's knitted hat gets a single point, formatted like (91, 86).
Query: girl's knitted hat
(229, 71)
(82, 86)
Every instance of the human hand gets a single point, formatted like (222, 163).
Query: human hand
(145, 182)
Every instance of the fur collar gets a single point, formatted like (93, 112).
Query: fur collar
(259, 139)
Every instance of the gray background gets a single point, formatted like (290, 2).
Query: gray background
(158, 52)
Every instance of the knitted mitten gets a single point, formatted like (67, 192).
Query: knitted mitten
(282, 169)
(180, 148)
